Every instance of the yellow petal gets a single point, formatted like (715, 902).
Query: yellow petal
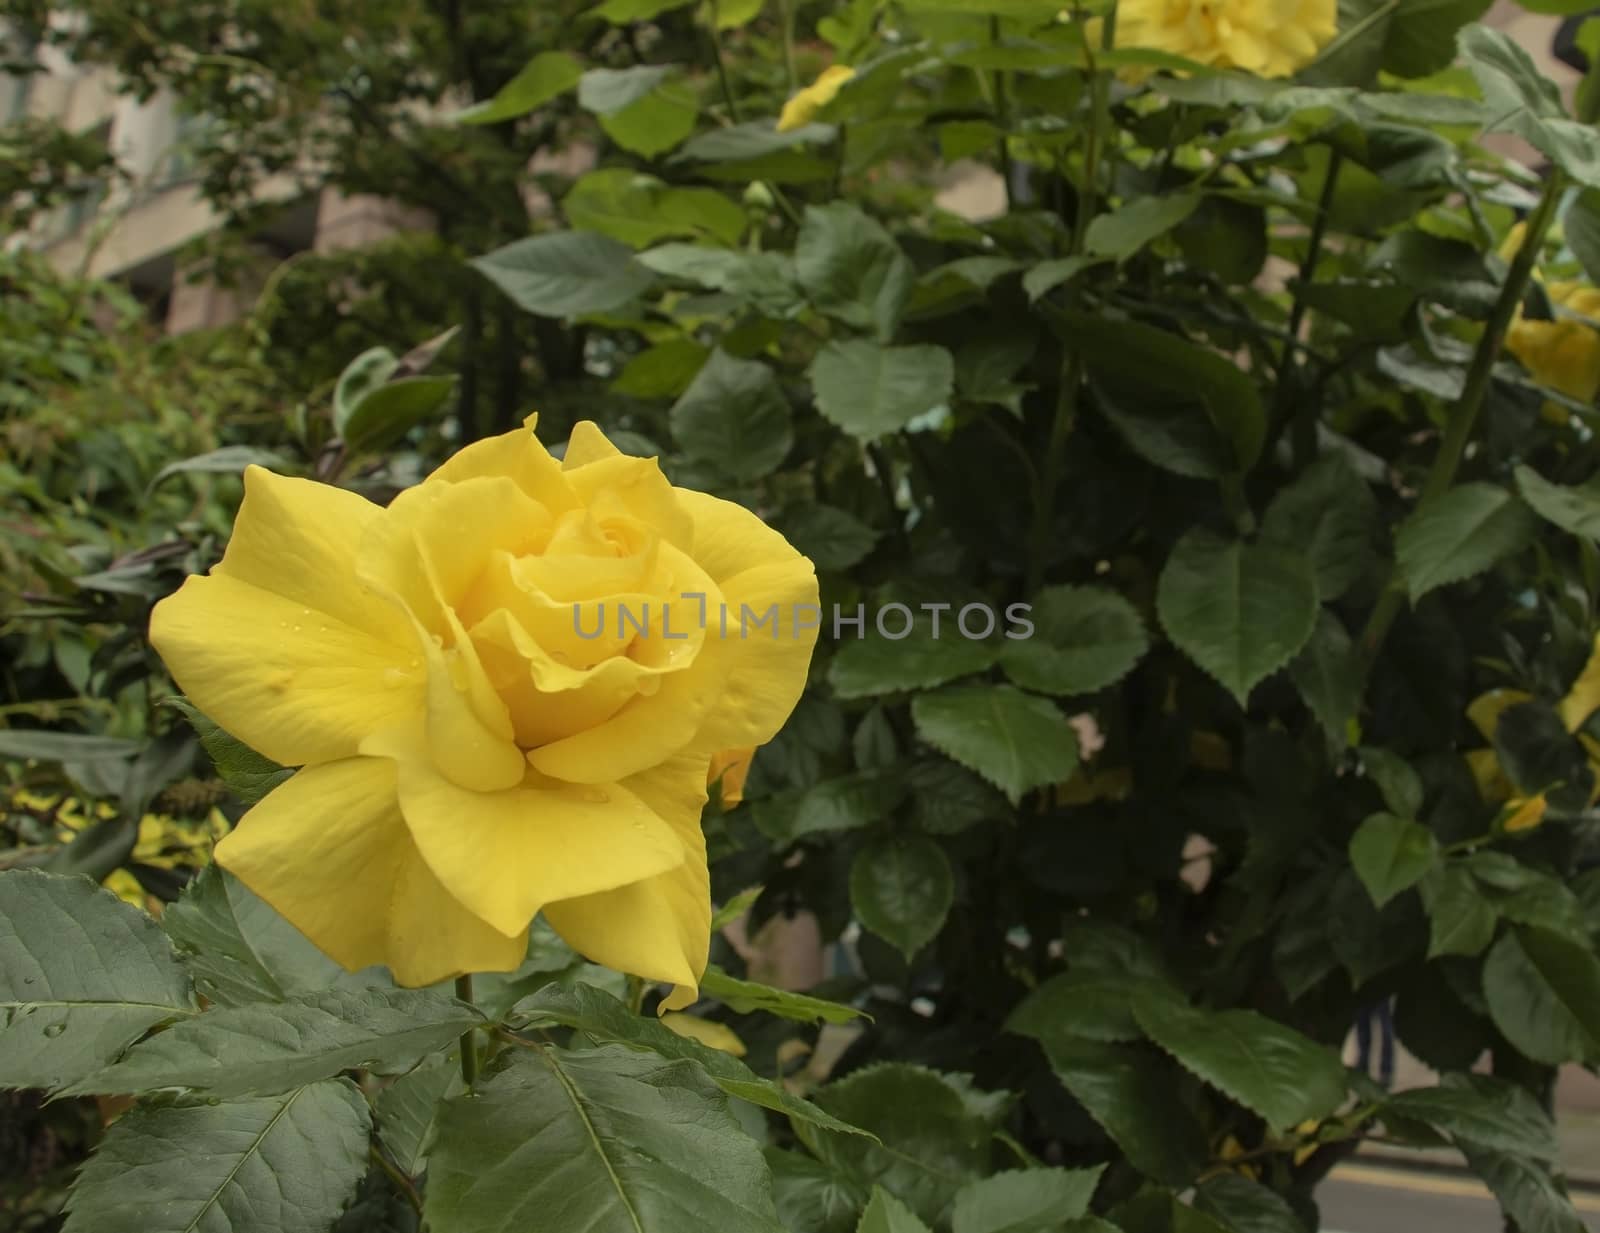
(729, 769)
(1584, 696)
(506, 854)
(518, 456)
(803, 107)
(1484, 711)
(729, 539)
(329, 850)
(659, 928)
(1526, 814)
(713, 1035)
(587, 444)
(282, 644)
(297, 685)
(1488, 774)
(769, 668)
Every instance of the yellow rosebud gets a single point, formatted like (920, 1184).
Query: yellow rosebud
(503, 691)
(714, 1035)
(1584, 696)
(1563, 353)
(801, 109)
(1526, 813)
(1270, 38)
(730, 769)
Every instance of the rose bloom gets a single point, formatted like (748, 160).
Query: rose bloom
(1270, 38)
(1563, 354)
(472, 752)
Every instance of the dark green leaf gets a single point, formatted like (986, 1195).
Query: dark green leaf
(248, 775)
(1527, 1192)
(267, 1049)
(1327, 674)
(901, 888)
(1240, 611)
(608, 1138)
(1015, 741)
(833, 538)
(747, 997)
(870, 390)
(548, 75)
(408, 1110)
(566, 273)
(1481, 1111)
(1245, 1206)
(273, 1164)
(1025, 1200)
(1572, 509)
(84, 975)
(1330, 515)
(1462, 533)
(1084, 639)
(873, 665)
(1460, 920)
(735, 417)
(1391, 855)
(1544, 996)
(886, 1214)
(852, 269)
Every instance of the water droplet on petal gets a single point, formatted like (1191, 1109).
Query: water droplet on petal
(596, 797)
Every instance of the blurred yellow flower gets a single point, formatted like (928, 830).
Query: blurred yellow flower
(1270, 38)
(504, 691)
(730, 769)
(1562, 353)
(804, 106)
(715, 1035)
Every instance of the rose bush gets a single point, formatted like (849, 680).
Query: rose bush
(505, 693)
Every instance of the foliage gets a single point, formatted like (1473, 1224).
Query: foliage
(1305, 720)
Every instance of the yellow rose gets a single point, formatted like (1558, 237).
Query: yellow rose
(1270, 38)
(503, 699)
(800, 110)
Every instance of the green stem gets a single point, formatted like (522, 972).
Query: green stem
(786, 18)
(635, 994)
(1066, 413)
(1305, 417)
(722, 66)
(1002, 111)
(469, 1039)
(1464, 416)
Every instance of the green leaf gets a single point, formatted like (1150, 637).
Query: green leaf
(1174, 436)
(64, 746)
(763, 281)
(752, 140)
(606, 1138)
(1129, 1091)
(1527, 1192)
(1162, 362)
(240, 950)
(1268, 1068)
(1327, 674)
(852, 269)
(1460, 920)
(1391, 855)
(1227, 237)
(1580, 224)
(1240, 611)
(84, 976)
(1330, 515)
(1522, 100)
(933, 1132)
(657, 122)
(1025, 1200)
(746, 997)
(663, 371)
(1124, 231)
(548, 75)
(1085, 639)
(641, 210)
(1544, 995)
(408, 1110)
(1046, 276)
(266, 1049)
(360, 377)
(1460, 534)
(735, 417)
(846, 803)
(228, 460)
(901, 888)
(602, 1017)
(1015, 741)
(606, 91)
(274, 1164)
(1481, 1111)
(1572, 509)
(566, 273)
(813, 1198)
(1089, 1002)
(947, 799)
(249, 776)
(385, 414)
(886, 1214)
(870, 390)
(833, 538)
(1397, 782)
(621, 12)
(874, 665)
(1244, 1206)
